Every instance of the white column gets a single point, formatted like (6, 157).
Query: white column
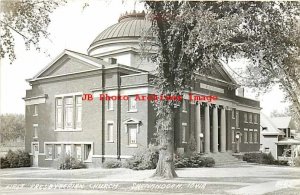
(215, 128)
(223, 130)
(207, 129)
(198, 127)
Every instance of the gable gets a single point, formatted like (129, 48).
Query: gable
(67, 65)
(69, 62)
(221, 74)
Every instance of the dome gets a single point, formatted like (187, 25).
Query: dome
(130, 25)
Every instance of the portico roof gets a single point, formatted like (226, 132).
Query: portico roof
(288, 141)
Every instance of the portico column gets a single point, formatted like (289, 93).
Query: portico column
(215, 128)
(198, 127)
(207, 129)
(223, 130)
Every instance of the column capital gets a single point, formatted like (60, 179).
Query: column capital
(215, 105)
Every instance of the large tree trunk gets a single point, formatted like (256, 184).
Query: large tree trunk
(165, 167)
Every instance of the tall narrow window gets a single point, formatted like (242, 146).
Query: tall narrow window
(35, 131)
(255, 138)
(245, 135)
(233, 113)
(59, 113)
(110, 132)
(255, 118)
(184, 105)
(237, 121)
(250, 135)
(78, 111)
(69, 112)
(132, 135)
(110, 104)
(245, 117)
(232, 136)
(78, 151)
(57, 151)
(132, 104)
(35, 110)
(49, 151)
(183, 135)
(250, 117)
(87, 152)
(68, 149)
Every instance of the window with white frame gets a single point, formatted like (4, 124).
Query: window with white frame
(49, 151)
(57, 148)
(245, 135)
(78, 151)
(255, 136)
(110, 132)
(35, 110)
(245, 117)
(183, 133)
(250, 136)
(35, 131)
(110, 104)
(68, 112)
(237, 121)
(132, 106)
(132, 134)
(250, 117)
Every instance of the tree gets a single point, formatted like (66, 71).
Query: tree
(192, 37)
(12, 126)
(26, 18)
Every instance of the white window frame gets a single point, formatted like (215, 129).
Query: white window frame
(108, 133)
(55, 151)
(255, 116)
(255, 132)
(232, 135)
(233, 113)
(245, 117)
(183, 133)
(184, 105)
(250, 136)
(237, 122)
(250, 116)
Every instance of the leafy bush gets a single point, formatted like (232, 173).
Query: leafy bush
(263, 158)
(194, 161)
(110, 164)
(4, 163)
(146, 158)
(70, 162)
(15, 159)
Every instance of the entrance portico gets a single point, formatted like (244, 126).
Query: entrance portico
(215, 132)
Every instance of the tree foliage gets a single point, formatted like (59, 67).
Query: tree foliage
(12, 126)
(26, 18)
(192, 37)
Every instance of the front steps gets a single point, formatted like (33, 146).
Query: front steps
(225, 159)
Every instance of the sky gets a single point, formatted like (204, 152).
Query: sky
(74, 28)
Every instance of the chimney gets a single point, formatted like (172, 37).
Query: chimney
(112, 60)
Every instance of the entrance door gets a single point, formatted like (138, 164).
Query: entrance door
(35, 154)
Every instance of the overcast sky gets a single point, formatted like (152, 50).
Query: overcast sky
(74, 28)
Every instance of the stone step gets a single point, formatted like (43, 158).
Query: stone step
(225, 159)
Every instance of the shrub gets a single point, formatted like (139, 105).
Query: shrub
(146, 158)
(4, 163)
(281, 162)
(267, 158)
(297, 161)
(263, 158)
(69, 162)
(252, 157)
(110, 164)
(15, 159)
(194, 161)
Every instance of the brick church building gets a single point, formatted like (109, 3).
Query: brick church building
(59, 122)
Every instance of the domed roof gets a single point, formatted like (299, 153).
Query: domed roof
(129, 25)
